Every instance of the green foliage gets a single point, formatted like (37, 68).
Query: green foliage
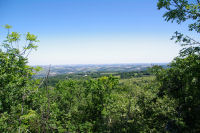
(15, 77)
(182, 10)
(181, 80)
(84, 102)
(7, 26)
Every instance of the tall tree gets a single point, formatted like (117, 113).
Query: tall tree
(15, 81)
(181, 80)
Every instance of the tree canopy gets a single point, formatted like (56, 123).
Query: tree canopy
(181, 80)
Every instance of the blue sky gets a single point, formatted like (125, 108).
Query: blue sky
(93, 31)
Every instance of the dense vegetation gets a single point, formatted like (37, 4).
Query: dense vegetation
(53, 80)
(157, 100)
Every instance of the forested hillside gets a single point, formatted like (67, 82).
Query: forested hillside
(160, 100)
(95, 68)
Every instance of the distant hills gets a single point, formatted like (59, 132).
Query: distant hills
(69, 69)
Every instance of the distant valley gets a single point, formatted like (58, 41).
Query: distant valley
(71, 69)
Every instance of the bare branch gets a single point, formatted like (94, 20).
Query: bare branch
(45, 78)
(194, 41)
(28, 53)
(47, 93)
(41, 83)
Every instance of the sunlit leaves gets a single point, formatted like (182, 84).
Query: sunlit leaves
(31, 37)
(13, 37)
(32, 40)
(7, 26)
(12, 43)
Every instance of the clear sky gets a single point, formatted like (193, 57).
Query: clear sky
(93, 31)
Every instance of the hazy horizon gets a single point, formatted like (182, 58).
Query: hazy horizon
(104, 64)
